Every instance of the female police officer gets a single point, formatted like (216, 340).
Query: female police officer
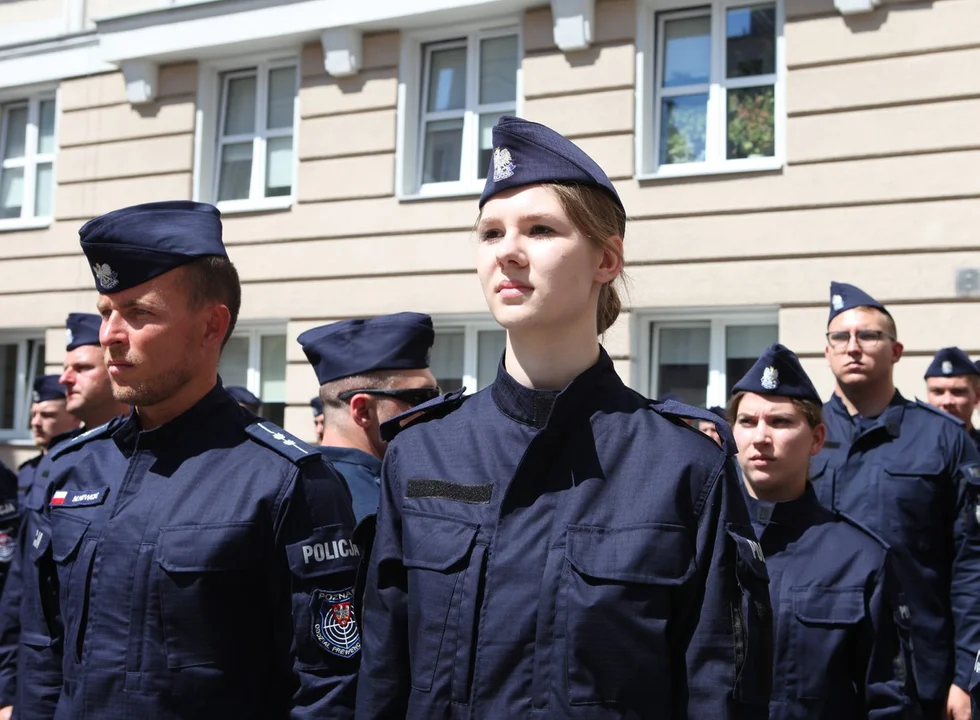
(557, 545)
(838, 652)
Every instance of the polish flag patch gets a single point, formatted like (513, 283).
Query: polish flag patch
(59, 497)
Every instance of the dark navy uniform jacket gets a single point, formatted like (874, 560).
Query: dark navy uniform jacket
(839, 650)
(975, 436)
(562, 555)
(362, 472)
(205, 570)
(9, 520)
(30, 621)
(912, 477)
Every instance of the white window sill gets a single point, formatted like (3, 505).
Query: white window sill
(11, 224)
(444, 190)
(733, 167)
(233, 207)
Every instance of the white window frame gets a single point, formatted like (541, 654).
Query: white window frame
(209, 123)
(648, 80)
(471, 325)
(26, 366)
(33, 99)
(717, 320)
(412, 91)
(255, 332)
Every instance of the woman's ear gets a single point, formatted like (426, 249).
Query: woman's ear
(611, 261)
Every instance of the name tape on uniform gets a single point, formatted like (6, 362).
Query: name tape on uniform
(79, 498)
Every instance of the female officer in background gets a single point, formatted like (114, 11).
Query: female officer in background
(558, 545)
(838, 646)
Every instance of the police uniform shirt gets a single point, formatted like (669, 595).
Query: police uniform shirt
(835, 610)
(912, 477)
(362, 473)
(975, 436)
(572, 554)
(205, 570)
(30, 620)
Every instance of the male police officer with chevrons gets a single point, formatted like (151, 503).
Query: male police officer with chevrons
(910, 474)
(181, 532)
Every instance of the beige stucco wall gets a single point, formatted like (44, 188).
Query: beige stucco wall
(881, 189)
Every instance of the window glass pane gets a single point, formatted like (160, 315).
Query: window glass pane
(44, 188)
(8, 384)
(682, 363)
(240, 106)
(490, 346)
(45, 135)
(683, 123)
(485, 148)
(273, 369)
(687, 51)
(16, 127)
(233, 367)
(443, 150)
(751, 122)
(279, 166)
(743, 346)
(446, 361)
(282, 94)
(236, 171)
(447, 80)
(751, 41)
(498, 69)
(11, 192)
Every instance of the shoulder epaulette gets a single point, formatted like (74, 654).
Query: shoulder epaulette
(36, 459)
(844, 517)
(431, 410)
(81, 438)
(936, 411)
(287, 445)
(680, 410)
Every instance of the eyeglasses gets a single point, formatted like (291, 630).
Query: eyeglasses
(412, 396)
(866, 339)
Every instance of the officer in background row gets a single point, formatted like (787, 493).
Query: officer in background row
(50, 423)
(245, 398)
(952, 385)
(710, 427)
(909, 473)
(30, 623)
(317, 405)
(369, 371)
(835, 602)
(203, 554)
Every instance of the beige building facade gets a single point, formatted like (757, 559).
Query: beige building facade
(761, 147)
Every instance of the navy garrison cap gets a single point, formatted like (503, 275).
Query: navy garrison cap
(951, 362)
(82, 329)
(317, 405)
(244, 397)
(845, 297)
(526, 153)
(401, 341)
(130, 246)
(778, 372)
(719, 411)
(47, 387)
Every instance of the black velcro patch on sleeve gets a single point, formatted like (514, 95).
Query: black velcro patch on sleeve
(444, 490)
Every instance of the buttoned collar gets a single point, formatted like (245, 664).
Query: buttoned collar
(537, 407)
(890, 418)
(790, 513)
(130, 436)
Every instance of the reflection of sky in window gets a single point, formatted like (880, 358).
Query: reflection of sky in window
(739, 22)
(687, 51)
(444, 87)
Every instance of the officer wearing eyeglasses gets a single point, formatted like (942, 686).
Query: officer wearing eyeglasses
(369, 371)
(909, 473)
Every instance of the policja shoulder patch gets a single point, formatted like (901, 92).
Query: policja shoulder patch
(333, 622)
